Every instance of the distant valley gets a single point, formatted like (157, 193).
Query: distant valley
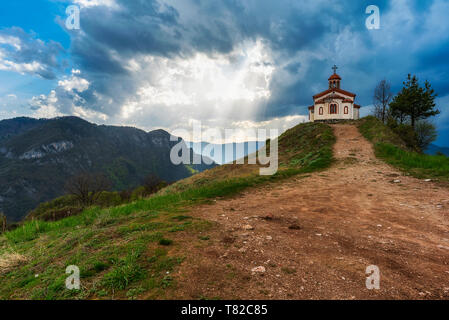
(434, 149)
(229, 151)
(37, 156)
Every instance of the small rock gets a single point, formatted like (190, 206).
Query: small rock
(242, 250)
(294, 227)
(260, 269)
(428, 180)
(397, 181)
(379, 226)
(269, 238)
(248, 227)
(318, 234)
(268, 217)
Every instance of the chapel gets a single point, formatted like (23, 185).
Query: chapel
(334, 104)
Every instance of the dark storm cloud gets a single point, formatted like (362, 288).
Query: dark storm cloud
(110, 36)
(22, 52)
(305, 38)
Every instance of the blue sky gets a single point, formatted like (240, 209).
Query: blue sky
(227, 63)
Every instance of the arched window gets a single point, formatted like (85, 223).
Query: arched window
(346, 110)
(333, 109)
(321, 110)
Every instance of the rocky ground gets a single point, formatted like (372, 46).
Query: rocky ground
(312, 237)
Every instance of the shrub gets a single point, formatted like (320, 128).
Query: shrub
(426, 133)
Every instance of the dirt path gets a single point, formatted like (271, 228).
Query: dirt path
(326, 229)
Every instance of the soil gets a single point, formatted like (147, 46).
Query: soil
(316, 235)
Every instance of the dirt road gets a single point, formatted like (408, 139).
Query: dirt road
(321, 233)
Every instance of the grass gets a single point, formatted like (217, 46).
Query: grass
(127, 251)
(419, 165)
(390, 148)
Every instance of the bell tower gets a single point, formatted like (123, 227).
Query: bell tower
(335, 79)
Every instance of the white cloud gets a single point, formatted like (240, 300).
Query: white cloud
(94, 3)
(74, 83)
(25, 54)
(216, 89)
(45, 106)
(11, 40)
(22, 68)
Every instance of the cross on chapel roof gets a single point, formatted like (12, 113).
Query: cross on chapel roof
(335, 69)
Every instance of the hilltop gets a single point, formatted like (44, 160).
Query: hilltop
(309, 231)
(38, 156)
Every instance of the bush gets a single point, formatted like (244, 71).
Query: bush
(138, 193)
(58, 214)
(108, 199)
(408, 135)
(63, 203)
(426, 133)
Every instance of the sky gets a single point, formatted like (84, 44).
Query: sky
(226, 63)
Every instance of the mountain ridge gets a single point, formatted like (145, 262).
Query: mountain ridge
(37, 156)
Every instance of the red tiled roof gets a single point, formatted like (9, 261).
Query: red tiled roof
(335, 77)
(357, 106)
(336, 97)
(334, 90)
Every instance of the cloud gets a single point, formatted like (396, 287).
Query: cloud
(24, 53)
(94, 3)
(226, 63)
(66, 99)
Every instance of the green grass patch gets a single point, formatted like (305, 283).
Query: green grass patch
(419, 165)
(389, 147)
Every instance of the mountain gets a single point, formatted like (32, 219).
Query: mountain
(37, 156)
(434, 149)
(239, 150)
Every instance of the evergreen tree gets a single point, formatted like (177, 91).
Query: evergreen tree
(414, 102)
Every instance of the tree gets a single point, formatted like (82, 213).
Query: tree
(153, 184)
(426, 133)
(382, 98)
(414, 102)
(87, 187)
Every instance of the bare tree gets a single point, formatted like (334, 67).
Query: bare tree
(3, 222)
(382, 98)
(152, 184)
(87, 187)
